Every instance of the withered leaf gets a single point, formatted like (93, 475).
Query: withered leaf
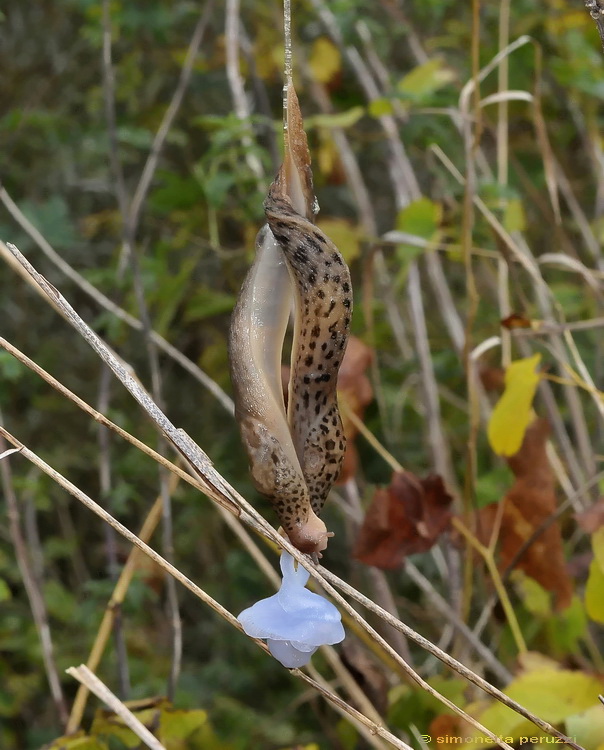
(530, 501)
(355, 392)
(492, 378)
(515, 321)
(404, 518)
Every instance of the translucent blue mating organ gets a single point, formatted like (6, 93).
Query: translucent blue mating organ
(294, 622)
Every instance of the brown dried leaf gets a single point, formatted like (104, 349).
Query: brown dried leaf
(354, 390)
(445, 727)
(515, 321)
(492, 378)
(404, 518)
(530, 501)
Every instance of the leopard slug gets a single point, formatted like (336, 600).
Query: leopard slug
(323, 304)
(296, 456)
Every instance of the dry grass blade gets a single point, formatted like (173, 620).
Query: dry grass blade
(31, 584)
(83, 675)
(117, 597)
(103, 420)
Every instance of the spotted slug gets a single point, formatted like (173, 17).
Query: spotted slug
(295, 456)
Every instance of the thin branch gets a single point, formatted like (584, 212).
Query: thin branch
(144, 183)
(201, 485)
(441, 457)
(236, 84)
(83, 675)
(34, 594)
(106, 303)
(105, 483)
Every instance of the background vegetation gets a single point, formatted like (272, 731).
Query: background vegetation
(456, 205)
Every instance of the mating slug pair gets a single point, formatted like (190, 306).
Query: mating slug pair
(295, 456)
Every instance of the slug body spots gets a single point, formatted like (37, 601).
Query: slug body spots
(323, 304)
(296, 457)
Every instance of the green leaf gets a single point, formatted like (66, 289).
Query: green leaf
(10, 368)
(209, 302)
(587, 728)
(5, 593)
(179, 725)
(534, 597)
(514, 219)
(597, 544)
(345, 119)
(79, 741)
(425, 79)
(61, 602)
(348, 735)
(325, 60)
(488, 486)
(379, 107)
(566, 628)
(112, 726)
(344, 234)
(420, 219)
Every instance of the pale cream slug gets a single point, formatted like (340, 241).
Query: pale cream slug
(294, 459)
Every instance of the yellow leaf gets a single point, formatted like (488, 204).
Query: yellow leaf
(594, 592)
(327, 156)
(512, 413)
(325, 60)
(597, 544)
(550, 693)
(344, 234)
(514, 218)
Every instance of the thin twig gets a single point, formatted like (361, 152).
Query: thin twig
(32, 589)
(200, 484)
(236, 85)
(441, 457)
(108, 304)
(144, 183)
(83, 675)
(105, 482)
(487, 556)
